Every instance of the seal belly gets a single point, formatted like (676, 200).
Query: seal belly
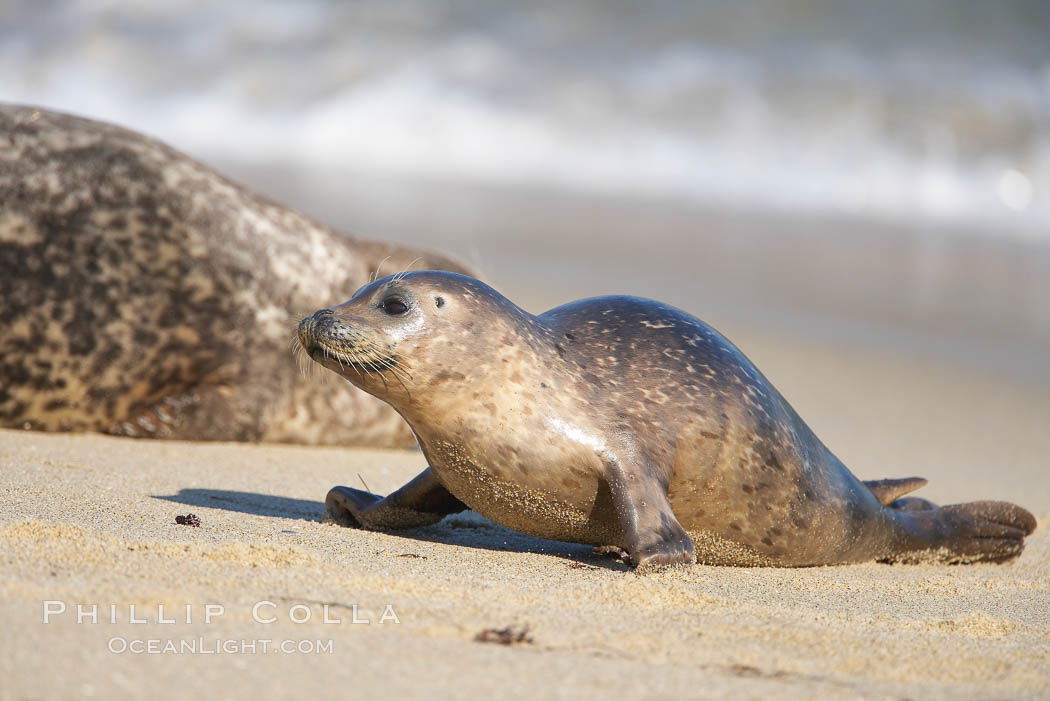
(577, 508)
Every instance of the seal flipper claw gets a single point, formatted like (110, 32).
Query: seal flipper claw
(421, 502)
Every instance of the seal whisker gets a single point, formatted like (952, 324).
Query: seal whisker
(352, 363)
(401, 380)
(398, 276)
(375, 275)
(390, 364)
(403, 386)
(297, 353)
(361, 364)
(384, 362)
(296, 348)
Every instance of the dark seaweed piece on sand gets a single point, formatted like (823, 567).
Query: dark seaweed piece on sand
(511, 635)
(188, 520)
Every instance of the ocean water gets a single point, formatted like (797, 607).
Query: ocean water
(873, 175)
(893, 111)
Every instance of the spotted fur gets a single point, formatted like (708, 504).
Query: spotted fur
(143, 294)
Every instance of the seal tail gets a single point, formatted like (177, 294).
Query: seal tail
(888, 491)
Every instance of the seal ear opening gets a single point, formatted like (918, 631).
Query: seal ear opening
(439, 301)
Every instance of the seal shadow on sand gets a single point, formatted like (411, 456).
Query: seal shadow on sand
(467, 529)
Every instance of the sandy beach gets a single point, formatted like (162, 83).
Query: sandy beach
(855, 194)
(90, 519)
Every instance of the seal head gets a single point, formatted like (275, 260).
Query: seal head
(409, 338)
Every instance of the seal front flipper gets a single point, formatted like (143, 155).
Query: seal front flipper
(652, 535)
(421, 502)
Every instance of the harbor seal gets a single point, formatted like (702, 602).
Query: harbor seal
(618, 421)
(143, 294)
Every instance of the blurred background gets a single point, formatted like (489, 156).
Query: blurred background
(818, 180)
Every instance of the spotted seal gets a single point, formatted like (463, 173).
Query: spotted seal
(618, 421)
(143, 294)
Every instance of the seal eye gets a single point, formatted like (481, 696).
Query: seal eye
(393, 306)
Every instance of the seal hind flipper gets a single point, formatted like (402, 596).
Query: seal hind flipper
(889, 490)
(421, 502)
(913, 504)
(979, 531)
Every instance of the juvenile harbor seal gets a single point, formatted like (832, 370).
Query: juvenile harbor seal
(141, 293)
(618, 421)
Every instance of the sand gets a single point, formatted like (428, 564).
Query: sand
(88, 519)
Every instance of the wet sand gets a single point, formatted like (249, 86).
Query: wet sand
(91, 520)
